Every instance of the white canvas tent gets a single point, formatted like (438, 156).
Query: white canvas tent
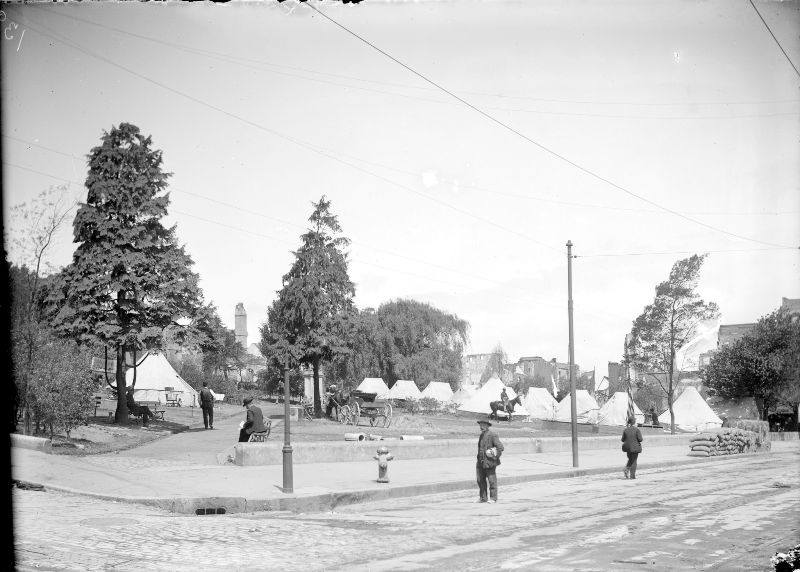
(404, 389)
(153, 375)
(490, 391)
(464, 393)
(374, 385)
(540, 403)
(615, 410)
(691, 413)
(585, 405)
(438, 390)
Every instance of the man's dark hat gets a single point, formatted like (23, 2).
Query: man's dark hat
(489, 423)
(247, 401)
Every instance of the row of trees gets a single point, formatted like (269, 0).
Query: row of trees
(130, 288)
(764, 364)
(314, 321)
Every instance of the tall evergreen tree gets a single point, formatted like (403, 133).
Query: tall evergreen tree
(308, 322)
(667, 324)
(129, 279)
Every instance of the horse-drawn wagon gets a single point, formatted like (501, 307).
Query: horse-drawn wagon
(363, 404)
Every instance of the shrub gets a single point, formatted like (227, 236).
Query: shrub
(428, 404)
(60, 386)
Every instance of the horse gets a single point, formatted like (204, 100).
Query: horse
(498, 406)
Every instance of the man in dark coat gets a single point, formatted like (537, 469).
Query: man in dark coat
(489, 450)
(137, 409)
(254, 422)
(632, 445)
(207, 405)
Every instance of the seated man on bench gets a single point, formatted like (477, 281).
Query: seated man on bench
(138, 410)
(254, 422)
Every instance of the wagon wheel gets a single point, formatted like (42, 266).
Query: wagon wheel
(342, 413)
(355, 411)
(373, 418)
(387, 415)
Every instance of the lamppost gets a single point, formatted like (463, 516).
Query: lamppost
(288, 477)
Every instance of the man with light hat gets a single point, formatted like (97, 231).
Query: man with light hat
(254, 422)
(489, 450)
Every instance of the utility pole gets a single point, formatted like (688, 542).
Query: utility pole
(572, 397)
(288, 477)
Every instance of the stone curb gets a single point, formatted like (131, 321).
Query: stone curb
(329, 501)
(29, 442)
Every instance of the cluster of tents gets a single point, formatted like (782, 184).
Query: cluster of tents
(155, 377)
(692, 413)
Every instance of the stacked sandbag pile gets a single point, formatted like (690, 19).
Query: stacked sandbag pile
(727, 441)
(760, 428)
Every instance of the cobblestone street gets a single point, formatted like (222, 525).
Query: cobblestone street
(728, 515)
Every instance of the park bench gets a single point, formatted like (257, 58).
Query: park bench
(98, 400)
(156, 407)
(261, 436)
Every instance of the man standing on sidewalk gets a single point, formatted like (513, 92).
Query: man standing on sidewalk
(489, 450)
(207, 405)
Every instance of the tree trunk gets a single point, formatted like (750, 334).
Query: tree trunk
(670, 399)
(765, 411)
(121, 415)
(317, 396)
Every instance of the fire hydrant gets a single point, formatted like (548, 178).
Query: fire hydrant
(383, 457)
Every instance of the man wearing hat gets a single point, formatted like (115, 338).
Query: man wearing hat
(489, 450)
(254, 422)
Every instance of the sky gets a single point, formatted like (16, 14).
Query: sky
(461, 144)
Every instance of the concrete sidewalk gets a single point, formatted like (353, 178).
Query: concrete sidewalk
(191, 488)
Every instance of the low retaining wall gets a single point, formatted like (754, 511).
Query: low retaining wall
(271, 453)
(784, 436)
(29, 442)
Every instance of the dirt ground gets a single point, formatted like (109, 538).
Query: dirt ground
(102, 435)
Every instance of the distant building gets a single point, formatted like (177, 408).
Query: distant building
(730, 333)
(240, 325)
(472, 368)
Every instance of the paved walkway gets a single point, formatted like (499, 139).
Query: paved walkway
(164, 475)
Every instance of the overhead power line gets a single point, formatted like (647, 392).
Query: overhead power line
(480, 189)
(58, 37)
(536, 143)
(288, 223)
(282, 221)
(252, 63)
(788, 59)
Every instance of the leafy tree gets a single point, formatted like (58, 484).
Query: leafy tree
(61, 385)
(495, 365)
(31, 231)
(270, 381)
(404, 339)
(424, 343)
(308, 322)
(220, 348)
(129, 279)
(667, 324)
(764, 363)
(370, 346)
